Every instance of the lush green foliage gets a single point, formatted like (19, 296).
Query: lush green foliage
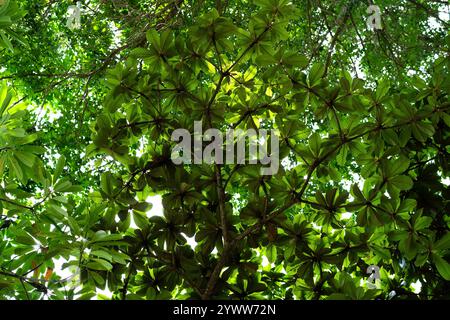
(363, 161)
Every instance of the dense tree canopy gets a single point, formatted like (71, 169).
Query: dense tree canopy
(92, 205)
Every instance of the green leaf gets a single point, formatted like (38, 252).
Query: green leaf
(410, 247)
(140, 53)
(443, 243)
(314, 144)
(402, 182)
(316, 74)
(271, 253)
(26, 158)
(99, 264)
(59, 167)
(140, 219)
(100, 237)
(382, 89)
(102, 254)
(6, 284)
(422, 223)
(22, 236)
(442, 266)
(294, 59)
(97, 278)
(265, 60)
(16, 168)
(106, 183)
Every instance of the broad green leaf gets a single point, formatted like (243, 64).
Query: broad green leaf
(442, 266)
